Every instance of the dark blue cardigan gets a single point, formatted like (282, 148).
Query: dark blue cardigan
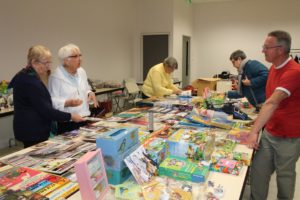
(258, 74)
(33, 111)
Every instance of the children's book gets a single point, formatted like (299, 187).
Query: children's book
(227, 166)
(142, 167)
(16, 177)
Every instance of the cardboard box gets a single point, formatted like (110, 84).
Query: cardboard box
(188, 144)
(155, 147)
(117, 141)
(116, 162)
(182, 169)
(116, 177)
(202, 83)
(224, 86)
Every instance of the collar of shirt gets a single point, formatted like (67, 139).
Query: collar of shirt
(283, 64)
(73, 78)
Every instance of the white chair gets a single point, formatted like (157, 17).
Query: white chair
(133, 93)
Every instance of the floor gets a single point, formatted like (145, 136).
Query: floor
(246, 196)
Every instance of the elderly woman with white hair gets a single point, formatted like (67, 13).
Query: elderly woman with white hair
(33, 111)
(69, 88)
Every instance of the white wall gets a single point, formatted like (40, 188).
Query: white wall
(152, 17)
(103, 29)
(182, 26)
(221, 28)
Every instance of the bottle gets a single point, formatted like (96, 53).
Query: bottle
(150, 121)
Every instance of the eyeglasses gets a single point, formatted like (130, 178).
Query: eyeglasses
(265, 48)
(75, 56)
(47, 63)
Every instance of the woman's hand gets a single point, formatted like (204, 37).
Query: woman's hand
(92, 98)
(76, 118)
(73, 102)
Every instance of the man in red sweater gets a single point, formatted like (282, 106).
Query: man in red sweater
(279, 146)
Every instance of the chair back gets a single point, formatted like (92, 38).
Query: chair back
(131, 86)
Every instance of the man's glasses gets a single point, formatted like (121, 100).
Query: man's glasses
(75, 56)
(265, 48)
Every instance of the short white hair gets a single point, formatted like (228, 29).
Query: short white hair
(67, 51)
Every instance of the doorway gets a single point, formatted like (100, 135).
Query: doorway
(155, 50)
(186, 71)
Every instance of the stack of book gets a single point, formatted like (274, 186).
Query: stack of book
(33, 184)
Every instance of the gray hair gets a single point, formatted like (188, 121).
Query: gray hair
(37, 53)
(283, 38)
(67, 51)
(171, 62)
(237, 54)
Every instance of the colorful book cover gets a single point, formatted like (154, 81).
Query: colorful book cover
(17, 175)
(240, 136)
(49, 184)
(227, 166)
(142, 167)
(64, 191)
(20, 195)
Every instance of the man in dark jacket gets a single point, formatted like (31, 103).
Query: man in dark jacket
(33, 111)
(251, 79)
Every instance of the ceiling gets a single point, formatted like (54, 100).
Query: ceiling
(207, 1)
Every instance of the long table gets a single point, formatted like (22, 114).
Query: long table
(233, 185)
(101, 91)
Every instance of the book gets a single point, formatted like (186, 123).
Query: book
(16, 176)
(142, 167)
(7, 194)
(64, 191)
(227, 166)
(56, 166)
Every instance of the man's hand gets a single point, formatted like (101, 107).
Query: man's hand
(73, 102)
(252, 141)
(246, 81)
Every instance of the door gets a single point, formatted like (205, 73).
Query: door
(155, 50)
(186, 43)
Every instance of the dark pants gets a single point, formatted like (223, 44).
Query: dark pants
(63, 127)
